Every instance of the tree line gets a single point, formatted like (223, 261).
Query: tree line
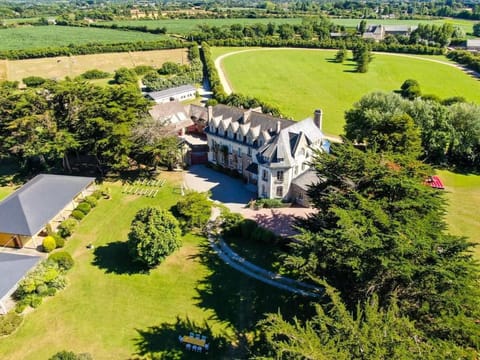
(92, 48)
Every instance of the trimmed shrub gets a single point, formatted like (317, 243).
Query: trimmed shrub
(91, 200)
(84, 207)
(70, 355)
(63, 259)
(231, 223)
(33, 81)
(95, 74)
(49, 244)
(269, 203)
(9, 323)
(42, 290)
(247, 227)
(65, 229)
(78, 215)
(60, 241)
(97, 194)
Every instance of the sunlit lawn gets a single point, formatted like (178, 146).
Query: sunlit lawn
(114, 311)
(463, 215)
(299, 81)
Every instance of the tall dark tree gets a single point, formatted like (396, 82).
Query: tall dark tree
(380, 230)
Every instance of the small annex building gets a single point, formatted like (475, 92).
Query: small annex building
(13, 268)
(40, 202)
(180, 93)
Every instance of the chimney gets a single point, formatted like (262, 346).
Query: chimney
(317, 118)
(210, 113)
(279, 127)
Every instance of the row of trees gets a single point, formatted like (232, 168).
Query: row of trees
(173, 74)
(467, 58)
(42, 126)
(92, 48)
(449, 131)
(233, 99)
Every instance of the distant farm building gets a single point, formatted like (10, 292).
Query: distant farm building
(46, 200)
(473, 45)
(379, 32)
(181, 93)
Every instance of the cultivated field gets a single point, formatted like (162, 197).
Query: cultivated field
(183, 26)
(321, 83)
(29, 37)
(60, 67)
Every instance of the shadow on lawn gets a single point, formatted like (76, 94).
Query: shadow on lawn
(241, 300)
(114, 258)
(161, 342)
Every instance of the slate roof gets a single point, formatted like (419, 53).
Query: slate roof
(171, 113)
(29, 209)
(13, 268)
(157, 95)
(306, 179)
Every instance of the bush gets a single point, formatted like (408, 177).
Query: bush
(97, 194)
(65, 229)
(70, 355)
(84, 207)
(49, 244)
(42, 290)
(95, 74)
(9, 323)
(60, 241)
(247, 227)
(195, 208)
(154, 234)
(231, 223)
(63, 259)
(269, 203)
(91, 200)
(33, 81)
(78, 215)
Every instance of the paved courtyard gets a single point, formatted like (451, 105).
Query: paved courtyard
(235, 194)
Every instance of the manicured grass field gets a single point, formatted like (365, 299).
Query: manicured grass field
(29, 37)
(463, 215)
(62, 66)
(114, 311)
(184, 26)
(299, 81)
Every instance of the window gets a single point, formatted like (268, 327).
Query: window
(302, 152)
(304, 166)
(239, 152)
(280, 191)
(264, 175)
(280, 175)
(296, 170)
(264, 191)
(249, 151)
(230, 134)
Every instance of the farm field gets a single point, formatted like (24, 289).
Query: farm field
(114, 311)
(29, 37)
(183, 26)
(322, 83)
(62, 66)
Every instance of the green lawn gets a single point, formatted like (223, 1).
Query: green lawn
(463, 215)
(184, 26)
(29, 37)
(299, 81)
(113, 311)
(5, 191)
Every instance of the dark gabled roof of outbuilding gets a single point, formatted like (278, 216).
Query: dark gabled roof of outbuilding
(30, 208)
(13, 268)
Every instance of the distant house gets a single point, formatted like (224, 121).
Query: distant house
(181, 93)
(473, 45)
(272, 153)
(379, 32)
(173, 115)
(44, 200)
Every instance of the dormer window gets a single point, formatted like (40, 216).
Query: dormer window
(249, 140)
(230, 134)
(260, 143)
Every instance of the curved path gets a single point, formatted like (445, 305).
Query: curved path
(231, 258)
